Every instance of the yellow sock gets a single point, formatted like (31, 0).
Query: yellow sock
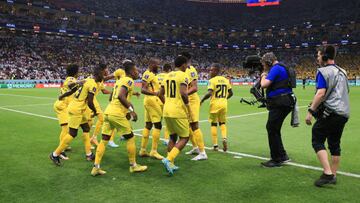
(166, 134)
(63, 144)
(214, 135)
(64, 131)
(223, 131)
(199, 139)
(145, 138)
(192, 138)
(98, 124)
(131, 148)
(87, 144)
(112, 135)
(100, 150)
(155, 139)
(173, 154)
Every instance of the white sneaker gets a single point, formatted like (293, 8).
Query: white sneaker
(112, 144)
(193, 151)
(201, 156)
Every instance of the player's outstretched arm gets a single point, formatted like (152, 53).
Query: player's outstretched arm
(109, 77)
(144, 89)
(193, 88)
(91, 103)
(206, 96)
(73, 87)
(162, 94)
(105, 91)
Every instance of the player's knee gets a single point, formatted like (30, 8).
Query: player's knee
(173, 137)
(85, 127)
(335, 149)
(73, 132)
(128, 136)
(214, 124)
(148, 125)
(106, 137)
(158, 125)
(194, 126)
(317, 146)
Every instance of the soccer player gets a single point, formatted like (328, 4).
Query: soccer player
(153, 109)
(161, 77)
(196, 135)
(60, 106)
(219, 89)
(117, 116)
(78, 116)
(176, 111)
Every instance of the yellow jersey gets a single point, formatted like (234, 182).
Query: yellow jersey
(220, 87)
(65, 88)
(153, 83)
(161, 77)
(115, 107)
(193, 75)
(100, 87)
(119, 73)
(79, 103)
(174, 106)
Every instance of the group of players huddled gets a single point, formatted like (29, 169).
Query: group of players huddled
(171, 96)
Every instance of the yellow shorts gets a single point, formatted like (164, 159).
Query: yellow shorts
(75, 120)
(121, 124)
(179, 126)
(153, 111)
(60, 107)
(218, 117)
(194, 104)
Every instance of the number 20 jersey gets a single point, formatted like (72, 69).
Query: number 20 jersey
(220, 87)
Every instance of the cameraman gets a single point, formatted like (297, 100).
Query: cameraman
(280, 102)
(330, 107)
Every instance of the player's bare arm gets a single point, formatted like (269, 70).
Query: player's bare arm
(207, 96)
(123, 100)
(91, 105)
(194, 87)
(144, 89)
(230, 93)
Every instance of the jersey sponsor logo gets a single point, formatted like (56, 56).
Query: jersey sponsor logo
(129, 83)
(146, 76)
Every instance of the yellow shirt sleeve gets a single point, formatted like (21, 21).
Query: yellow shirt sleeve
(148, 76)
(193, 74)
(119, 73)
(128, 83)
(211, 85)
(91, 86)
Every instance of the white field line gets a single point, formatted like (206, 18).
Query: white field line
(19, 95)
(209, 148)
(21, 105)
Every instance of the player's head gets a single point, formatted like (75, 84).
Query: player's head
(154, 64)
(187, 55)
(268, 59)
(131, 70)
(181, 62)
(215, 69)
(325, 54)
(72, 70)
(167, 67)
(100, 72)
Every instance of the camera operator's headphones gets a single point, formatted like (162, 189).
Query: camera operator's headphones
(268, 59)
(327, 52)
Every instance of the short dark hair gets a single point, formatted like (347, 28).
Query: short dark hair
(97, 69)
(180, 60)
(186, 54)
(328, 52)
(72, 70)
(167, 67)
(218, 66)
(128, 66)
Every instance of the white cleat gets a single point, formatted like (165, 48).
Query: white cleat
(112, 144)
(194, 151)
(201, 156)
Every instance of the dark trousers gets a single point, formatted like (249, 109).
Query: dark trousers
(275, 120)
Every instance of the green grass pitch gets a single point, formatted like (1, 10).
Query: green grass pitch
(27, 174)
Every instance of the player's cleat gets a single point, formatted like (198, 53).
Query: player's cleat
(90, 157)
(97, 171)
(193, 151)
(137, 168)
(122, 138)
(325, 179)
(63, 156)
(174, 167)
(201, 156)
(225, 147)
(112, 144)
(156, 155)
(166, 142)
(55, 159)
(67, 149)
(94, 141)
(216, 148)
(92, 147)
(168, 166)
(143, 153)
(286, 159)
